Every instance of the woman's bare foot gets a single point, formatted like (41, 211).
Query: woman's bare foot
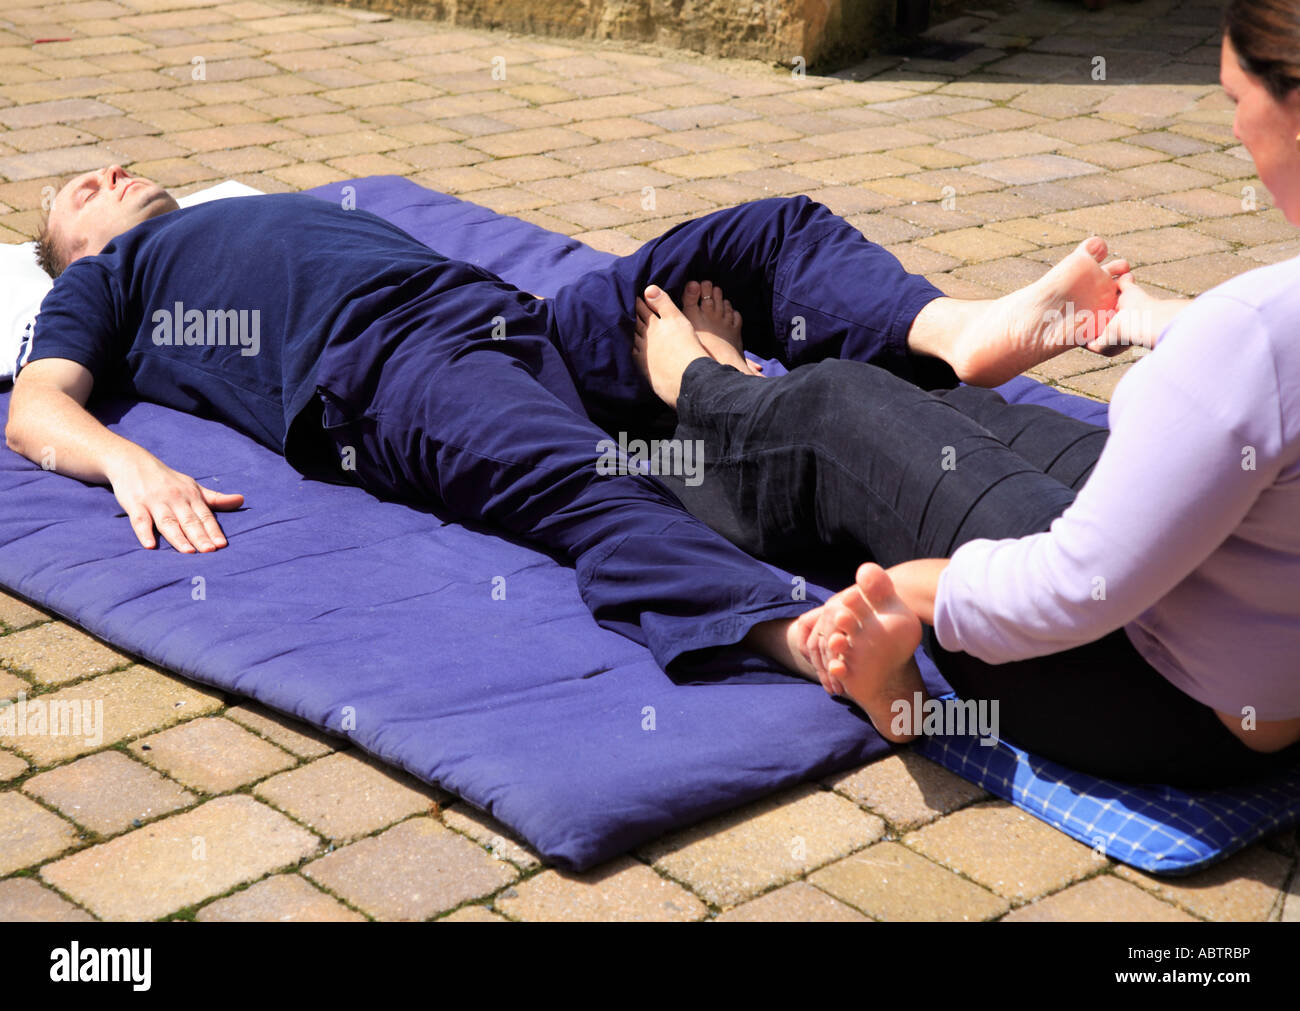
(717, 324)
(870, 646)
(665, 343)
(1067, 307)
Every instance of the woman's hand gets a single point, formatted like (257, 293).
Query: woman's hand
(1138, 319)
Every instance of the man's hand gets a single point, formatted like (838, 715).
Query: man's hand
(154, 495)
(49, 424)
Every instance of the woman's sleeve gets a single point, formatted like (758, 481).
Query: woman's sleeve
(1196, 436)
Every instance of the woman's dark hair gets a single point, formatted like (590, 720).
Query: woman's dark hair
(1266, 36)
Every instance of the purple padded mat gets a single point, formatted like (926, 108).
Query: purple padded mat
(329, 603)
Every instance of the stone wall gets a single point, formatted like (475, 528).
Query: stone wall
(777, 31)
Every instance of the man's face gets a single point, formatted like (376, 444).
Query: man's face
(98, 206)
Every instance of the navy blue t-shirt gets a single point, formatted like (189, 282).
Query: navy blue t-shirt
(223, 309)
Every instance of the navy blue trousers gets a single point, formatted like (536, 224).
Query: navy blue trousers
(489, 403)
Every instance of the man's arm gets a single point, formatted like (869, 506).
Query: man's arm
(48, 424)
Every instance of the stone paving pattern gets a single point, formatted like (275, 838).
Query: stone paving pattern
(977, 171)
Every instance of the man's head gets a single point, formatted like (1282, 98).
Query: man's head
(91, 210)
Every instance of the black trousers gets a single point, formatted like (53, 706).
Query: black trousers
(847, 456)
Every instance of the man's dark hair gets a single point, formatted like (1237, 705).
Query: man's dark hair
(48, 256)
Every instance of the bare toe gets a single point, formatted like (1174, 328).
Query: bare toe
(1094, 246)
(660, 304)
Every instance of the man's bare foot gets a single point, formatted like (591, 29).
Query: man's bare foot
(870, 648)
(1067, 307)
(717, 324)
(664, 344)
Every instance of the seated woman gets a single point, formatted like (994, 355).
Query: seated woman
(1131, 600)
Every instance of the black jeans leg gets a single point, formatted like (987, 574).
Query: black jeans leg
(847, 455)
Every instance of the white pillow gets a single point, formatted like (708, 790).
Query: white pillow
(23, 284)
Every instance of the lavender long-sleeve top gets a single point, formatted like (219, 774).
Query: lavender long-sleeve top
(1187, 532)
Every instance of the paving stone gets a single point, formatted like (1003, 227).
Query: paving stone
(925, 106)
(212, 755)
(218, 138)
(615, 128)
(11, 686)
(918, 259)
(1290, 908)
(1202, 203)
(343, 797)
(295, 737)
(974, 245)
(411, 872)
(23, 900)
(1099, 384)
(1114, 219)
(1246, 886)
(621, 890)
(1221, 163)
(884, 229)
(179, 861)
(905, 789)
(54, 653)
(1005, 850)
(1013, 144)
(11, 766)
(853, 168)
(796, 902)
(930, 157)
(522, 142)
(285, 898)
(1174, 144)
(869, 139)
(473, 914)
(58, 111)
(1003, 118)
(1099, 900)
(104, 710)
(1076, 362)
(1197, 273)
(107, 792)
(1084, 130)
(738, 855)
(29, 833)
(730, 162)
(1164, 244)
(487, 831)
(1166, 176)
(17, 614)
(889, 882)
(1038, 231)
(1033, 169)
(1273, 252)
(1255, 228)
